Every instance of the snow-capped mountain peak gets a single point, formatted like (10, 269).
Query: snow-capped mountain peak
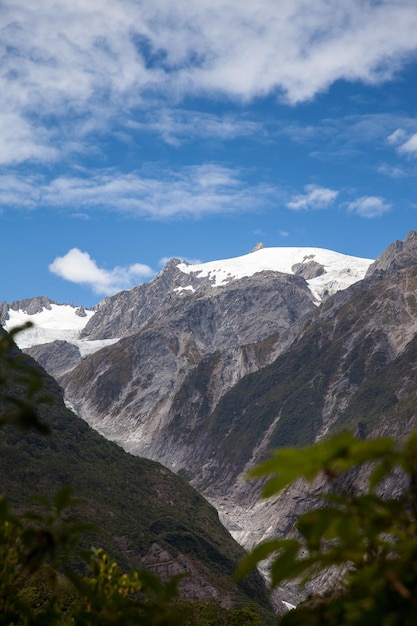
(324, 270)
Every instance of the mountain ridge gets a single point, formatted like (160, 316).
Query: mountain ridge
(179, 276)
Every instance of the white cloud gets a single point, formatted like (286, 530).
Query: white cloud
(405, 143)
(397, 136)
(300, 47)
(410, 146)
(315, 198)
(22, 141)
(75, 67)
(20, 191)
(78, 267)
(162, 194)
(391, 171)
(369, 206)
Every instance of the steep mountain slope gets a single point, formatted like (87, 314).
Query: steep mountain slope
(353, 367)
(146, 515)
(243, 310)
(135, 380)
(127, 312)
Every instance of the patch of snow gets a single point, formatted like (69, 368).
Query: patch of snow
(341, 270)
(87, 347)
(181, 289)
(60, 322)
(58, 317)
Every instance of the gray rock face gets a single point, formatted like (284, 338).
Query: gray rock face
(129, 311)
(231, 330)
(4, 312)
(81, 312)
(57, 357)
(259, 246)
(399, 254)
(308, 270)
(194, 586)
(32, 305)
(353, 367)
(215, 379)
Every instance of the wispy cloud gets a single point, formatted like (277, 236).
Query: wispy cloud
(78, 267)
(314, 198)
(392, 171)
(163, 194)
(181, 126)
(369, 206)
(317, 198)
(409, 146)
(397, 137)
(405, 142)
(21, 141)
(72, 69)
(346, 136)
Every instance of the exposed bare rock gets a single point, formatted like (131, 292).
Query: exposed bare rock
(194, 586)
(81, 312)
(145, 514)
(399, 254)
(258, 246)
(57, 357)
(141, 377)
(32, 305)
(129, 311)
(308, 270)
(216, 378)
(4, 312)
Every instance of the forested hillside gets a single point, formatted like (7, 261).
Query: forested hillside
(145, 515)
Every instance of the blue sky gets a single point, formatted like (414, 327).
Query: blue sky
(134, 131)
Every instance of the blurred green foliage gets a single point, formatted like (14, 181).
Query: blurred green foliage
(370, 539)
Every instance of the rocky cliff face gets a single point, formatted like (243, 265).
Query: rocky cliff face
(353, 367)
(213, 336)
(30, 305)
(398, 255)
(56, 357)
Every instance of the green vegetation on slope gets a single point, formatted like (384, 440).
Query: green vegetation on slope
(135, 503)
